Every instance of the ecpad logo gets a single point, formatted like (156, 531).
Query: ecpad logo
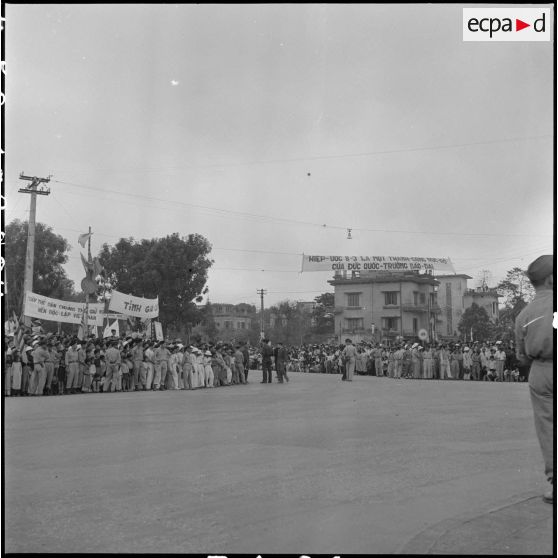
(506, 24)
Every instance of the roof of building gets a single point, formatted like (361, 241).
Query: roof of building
(462, 275)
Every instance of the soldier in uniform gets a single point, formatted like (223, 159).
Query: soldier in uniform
(534, 346)
(267, 354)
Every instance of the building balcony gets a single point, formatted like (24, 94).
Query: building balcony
(355, 330)
(391, 306)
(409, 307)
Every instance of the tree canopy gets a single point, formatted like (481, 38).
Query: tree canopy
(516, 290)
(475, 320)
(173, 268)
(323, 313)
(49, 277)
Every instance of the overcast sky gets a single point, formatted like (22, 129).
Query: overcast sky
(256, 125)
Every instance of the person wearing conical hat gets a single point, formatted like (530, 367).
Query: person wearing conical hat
(534, 340)
(209, 376)
(72, 366)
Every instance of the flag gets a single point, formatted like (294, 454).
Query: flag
(19, 333)
(97, 267)
(82, 329)
(83, 238)
(85, 263)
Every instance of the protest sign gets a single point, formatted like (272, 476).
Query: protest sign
(134, 305)
(45, 308)
(375, 263)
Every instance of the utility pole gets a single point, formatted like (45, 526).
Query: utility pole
(262, 292)
(34, 188)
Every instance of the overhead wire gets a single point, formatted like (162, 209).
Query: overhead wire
(323, 157)
(272, 219)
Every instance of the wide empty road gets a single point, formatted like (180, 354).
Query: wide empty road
(313, 466)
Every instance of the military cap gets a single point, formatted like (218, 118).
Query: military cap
(541, 268)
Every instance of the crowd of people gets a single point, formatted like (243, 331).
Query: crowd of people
(50, 364)
(56, 364)
(488, 361)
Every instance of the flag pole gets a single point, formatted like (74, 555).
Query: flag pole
(86, 321)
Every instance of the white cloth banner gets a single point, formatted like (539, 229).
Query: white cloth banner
(158, 331)
(134, 305)
(375, 263)
(109, 328)
(45, 308)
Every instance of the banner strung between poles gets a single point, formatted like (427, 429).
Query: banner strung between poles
(45, 308)
(375, 263)
(134, 305)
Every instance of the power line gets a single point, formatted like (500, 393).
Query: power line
(325, 157)
(269, 218)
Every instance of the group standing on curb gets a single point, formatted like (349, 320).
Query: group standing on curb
(489, 361)
(58, 364)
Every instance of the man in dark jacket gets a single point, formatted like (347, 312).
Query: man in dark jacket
(281, 362)
(267, 354)
(246, 354)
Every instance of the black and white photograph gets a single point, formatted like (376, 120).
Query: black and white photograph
(331, 226)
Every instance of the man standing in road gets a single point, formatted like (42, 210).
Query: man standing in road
(113, 358)
(534, 345)
(246, 355)
(349, 356)
(281, 362)
(267, 354)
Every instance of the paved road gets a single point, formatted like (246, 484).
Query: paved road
(314, 466)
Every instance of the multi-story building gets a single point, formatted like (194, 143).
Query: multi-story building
(375, 306)
(385, 306)
(233, 316)
(484, 297)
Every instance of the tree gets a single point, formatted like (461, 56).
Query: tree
(172, 268)
(476, 320)
(49, 277)
(292, 325)
(323, 313)
(516, 290)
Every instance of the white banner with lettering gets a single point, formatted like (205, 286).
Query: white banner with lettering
(45, 308)
(134, 305)
(375, 263)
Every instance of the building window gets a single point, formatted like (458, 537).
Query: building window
(415, 298)
(242, 325)
(354, 323)
(228, 325)
(422, 298)
(415, 326)
(494, 309)
(390, 324)
(353, 299)
(433, 299)
(391, 297)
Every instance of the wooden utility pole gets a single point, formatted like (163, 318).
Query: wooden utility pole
(262, 292)
(86, 332)
(35, 188)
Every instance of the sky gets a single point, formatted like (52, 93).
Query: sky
(271, 129)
